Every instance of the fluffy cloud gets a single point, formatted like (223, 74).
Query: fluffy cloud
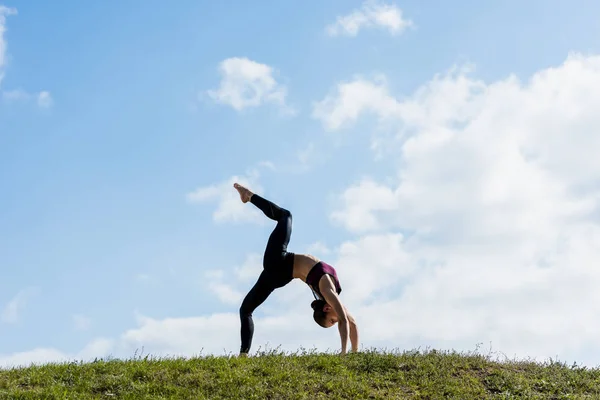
(97, 348)
(497, 193)
(216, 334)
(182, 336)
(351, 99)
(318, 248)
(13, 308)
(15, 95)
(230, 286)
(250, 269)
(219, 334)
(43, 99)
(371, 14)
(372, 264)
(230, 208)
(4, 12)
(246, 83)
(226, 293)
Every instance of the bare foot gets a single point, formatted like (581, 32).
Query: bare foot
(245, 194)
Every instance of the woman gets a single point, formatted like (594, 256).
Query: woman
(281, 266)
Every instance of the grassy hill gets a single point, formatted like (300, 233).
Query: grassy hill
(365, 375)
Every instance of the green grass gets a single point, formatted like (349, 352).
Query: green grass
(304, 375)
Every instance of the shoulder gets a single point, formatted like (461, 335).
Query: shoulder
(326, 283)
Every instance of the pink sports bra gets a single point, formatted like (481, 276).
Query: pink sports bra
(315, 275)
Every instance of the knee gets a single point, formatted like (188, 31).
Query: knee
(286, 213)
(245, 311)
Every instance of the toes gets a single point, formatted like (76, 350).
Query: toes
(244, 193)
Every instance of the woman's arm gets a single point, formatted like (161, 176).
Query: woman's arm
(331, 297)
(353, 332)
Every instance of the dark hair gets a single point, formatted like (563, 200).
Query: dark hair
(318, 314)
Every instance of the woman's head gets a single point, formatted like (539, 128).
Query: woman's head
(323, 313)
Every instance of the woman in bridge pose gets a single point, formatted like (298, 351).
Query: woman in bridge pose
(281, 266)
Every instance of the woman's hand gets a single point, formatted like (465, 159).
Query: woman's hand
(332, 298)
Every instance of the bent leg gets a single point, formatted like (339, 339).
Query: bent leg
(279, 239)
(255, 297)
(269, 208)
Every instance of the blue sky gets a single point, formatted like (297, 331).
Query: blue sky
(95, 219)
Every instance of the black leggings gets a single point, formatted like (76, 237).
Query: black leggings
(278, 266)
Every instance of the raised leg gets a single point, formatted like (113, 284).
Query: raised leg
(279, 239)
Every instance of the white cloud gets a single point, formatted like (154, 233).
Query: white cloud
(358, 203)
(15, 95)
(216, 334)
(15, 306)
(4, 12)
(318, 248)
(497, 190)
(351, 99)
(168, 337)
(42, 99)
(230, 208)
(224, 282)
(246, 83)
(371, 14)
(226, 293)
(267, 164)
(97, 348)
(371, 264)
(219, 334)
(183, 336)
(35, 356)
(81, 322)
(250, 269)
(214, 274)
